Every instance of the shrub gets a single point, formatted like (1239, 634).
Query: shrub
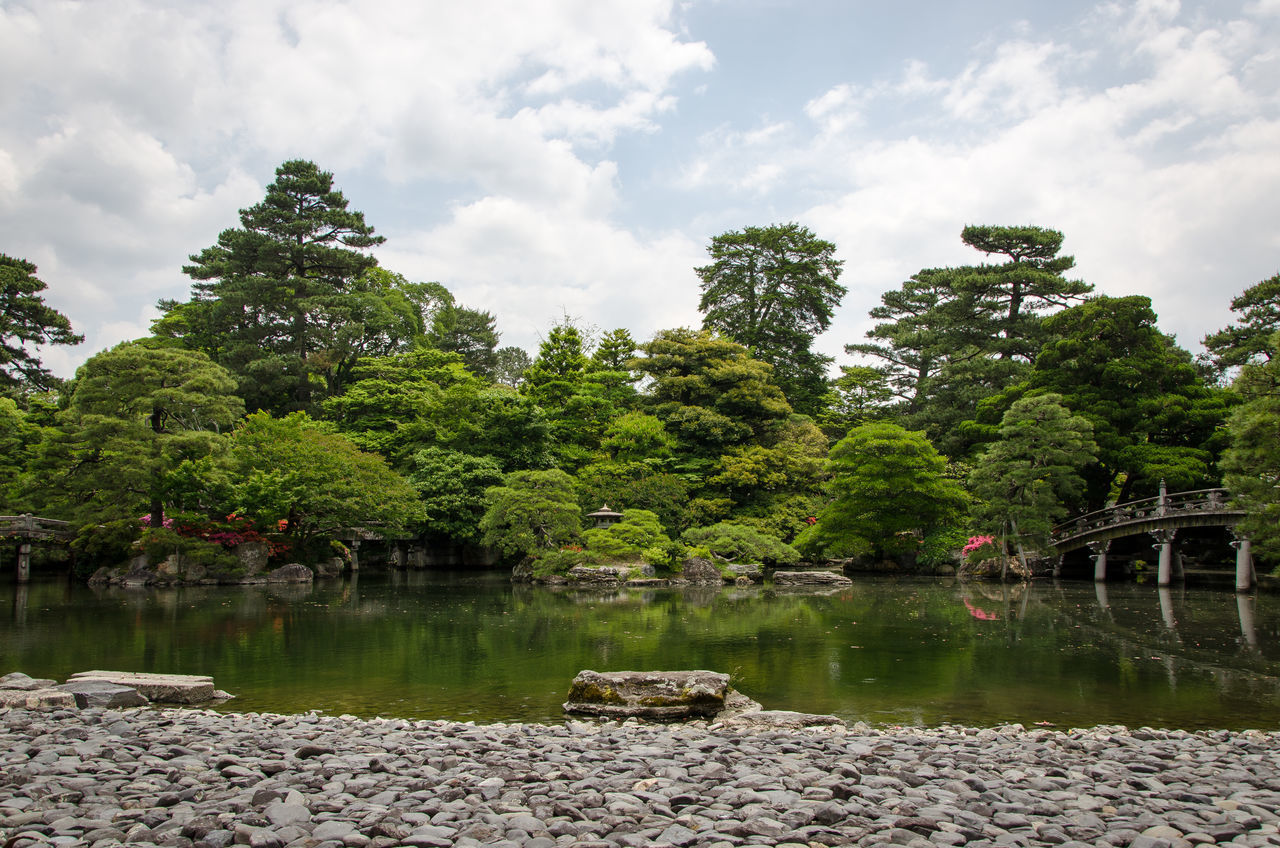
(639, 529)
(666, 556)
(104, 544)
(735, 543)
(561, 561)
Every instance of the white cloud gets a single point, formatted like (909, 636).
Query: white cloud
(531, 267)
(128, 127)
(1163, 181)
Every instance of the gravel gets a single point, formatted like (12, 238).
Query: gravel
(189, 777)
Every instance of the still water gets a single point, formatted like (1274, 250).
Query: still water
(474, 647)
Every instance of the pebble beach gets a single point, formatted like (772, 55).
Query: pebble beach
(193, 777)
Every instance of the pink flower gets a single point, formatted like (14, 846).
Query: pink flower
(976, 542)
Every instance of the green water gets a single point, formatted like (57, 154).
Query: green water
(423, 645)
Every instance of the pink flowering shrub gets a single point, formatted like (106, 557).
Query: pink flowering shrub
(976, 543)
(234, 531)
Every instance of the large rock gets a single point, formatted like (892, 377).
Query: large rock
(291, 573)
(252, 557)
(100, 693)
(170, 688)
(605, 575)
(666, 695)
(19, 690)
(810, 578)
(18, 680)
(701, 571)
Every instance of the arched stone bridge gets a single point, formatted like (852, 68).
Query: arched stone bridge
(1161, 518)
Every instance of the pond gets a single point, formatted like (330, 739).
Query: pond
(886, 651)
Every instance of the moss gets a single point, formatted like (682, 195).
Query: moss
(593, 693)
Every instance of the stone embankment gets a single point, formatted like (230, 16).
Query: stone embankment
(186, 777)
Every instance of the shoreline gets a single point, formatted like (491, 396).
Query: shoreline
(195, 778)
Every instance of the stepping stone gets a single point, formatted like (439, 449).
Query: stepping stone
(168, 688)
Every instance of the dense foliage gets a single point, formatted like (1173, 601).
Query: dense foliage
(992, 398)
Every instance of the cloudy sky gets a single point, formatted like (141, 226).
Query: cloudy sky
(551, 157)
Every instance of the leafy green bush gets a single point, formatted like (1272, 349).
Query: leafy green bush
(639, 529)
(736, 543)
(159, 543)
(666, 556)
(560, 561)
(105, 544)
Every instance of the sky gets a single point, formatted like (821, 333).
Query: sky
(553, 158)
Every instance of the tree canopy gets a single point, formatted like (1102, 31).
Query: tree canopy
(137, 413)
(775, 289)
(890, 496)
(272, 297)
(26, 321)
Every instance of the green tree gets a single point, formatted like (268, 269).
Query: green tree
(1009, 298)
(398, 405)
(300, 474)
(510, 364)
(860, 394)
(1248, 341)
(637, 437)
(635, 485)
(18, 437)
(951, 337)
(26, 321)
(609, 369)
(1251, 463)
(914, 337)
(774, 289)
(1025, 480)
(614, 352)
(531, 512)
(452, 488)
(559, 368)
(470, 333)
(136, 414)
(709, 393)
(1153, 416)
(271, 298)
(890, 496)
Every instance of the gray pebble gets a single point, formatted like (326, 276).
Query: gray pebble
(200, 779)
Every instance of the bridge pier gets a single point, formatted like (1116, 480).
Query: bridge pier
(1246, 577)
(1100, 560)
(1164, 538)
(24, 561)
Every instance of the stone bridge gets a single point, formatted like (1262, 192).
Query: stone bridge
(1161, 518)
(28, 528)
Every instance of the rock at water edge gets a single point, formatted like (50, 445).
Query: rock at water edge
(810, 578)
(664, 695)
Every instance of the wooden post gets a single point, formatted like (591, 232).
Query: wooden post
(355, 555)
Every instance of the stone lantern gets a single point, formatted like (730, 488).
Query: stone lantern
(604, 517)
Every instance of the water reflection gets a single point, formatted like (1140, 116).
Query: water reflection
(425, 645)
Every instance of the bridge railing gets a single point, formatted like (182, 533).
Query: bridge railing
(33, 527)
(1161, 506)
